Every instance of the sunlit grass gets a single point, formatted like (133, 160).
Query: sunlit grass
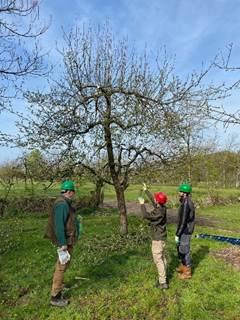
(119, 273)
(83, 188)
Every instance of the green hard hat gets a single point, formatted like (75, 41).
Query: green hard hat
(68, 185)
(185, 188)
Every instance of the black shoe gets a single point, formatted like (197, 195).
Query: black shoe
(58, 301)
(163, 286)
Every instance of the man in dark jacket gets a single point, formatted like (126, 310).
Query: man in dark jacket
(62, 230)
(185, 227)
(157, 221)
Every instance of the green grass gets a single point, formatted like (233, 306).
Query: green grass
(19, 189)
(225, 217)
(120, 274)
(134, 190)
(131, 194)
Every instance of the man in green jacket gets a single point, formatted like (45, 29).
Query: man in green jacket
(157, 220)
(62, 230)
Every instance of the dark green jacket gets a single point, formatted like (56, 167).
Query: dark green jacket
(62, 228)
(157, 219)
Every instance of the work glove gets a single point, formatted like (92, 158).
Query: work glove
(144, 187)
(177, 240)
(63, 255)
(141, 200)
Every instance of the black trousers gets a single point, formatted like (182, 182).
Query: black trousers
(184, 249)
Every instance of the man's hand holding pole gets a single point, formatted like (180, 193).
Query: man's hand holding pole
(141, 200)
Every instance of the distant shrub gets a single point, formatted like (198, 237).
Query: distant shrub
(38, 205)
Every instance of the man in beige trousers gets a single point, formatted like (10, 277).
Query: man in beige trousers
(157, 221)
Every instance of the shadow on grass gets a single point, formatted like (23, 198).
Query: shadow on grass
(111, 269)
(172, 263)
(197, 257)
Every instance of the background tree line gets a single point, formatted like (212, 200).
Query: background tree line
(220, 169)
(33, 171)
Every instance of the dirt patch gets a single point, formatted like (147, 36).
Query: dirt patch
(133, 206)
(231, 255)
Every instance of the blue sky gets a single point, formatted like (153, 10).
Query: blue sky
(192, 31)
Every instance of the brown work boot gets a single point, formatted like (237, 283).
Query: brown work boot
(186, 274)
(180, 268)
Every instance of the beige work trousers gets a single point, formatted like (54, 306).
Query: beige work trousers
(58, 276)
(159, 258)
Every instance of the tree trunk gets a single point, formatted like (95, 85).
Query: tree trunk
(190, 171)
(115, 173)
(32, 186)
(3, 204)
(224, 176)
(122, 210)
(237, 182)
(98, 192)
(189, 161)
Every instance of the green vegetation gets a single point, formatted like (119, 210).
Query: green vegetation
(85, 187)
(225, 217)
(109, 112)
(113, 277)
(19, 189)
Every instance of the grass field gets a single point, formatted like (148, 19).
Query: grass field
(119, 272)
(131, 194)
